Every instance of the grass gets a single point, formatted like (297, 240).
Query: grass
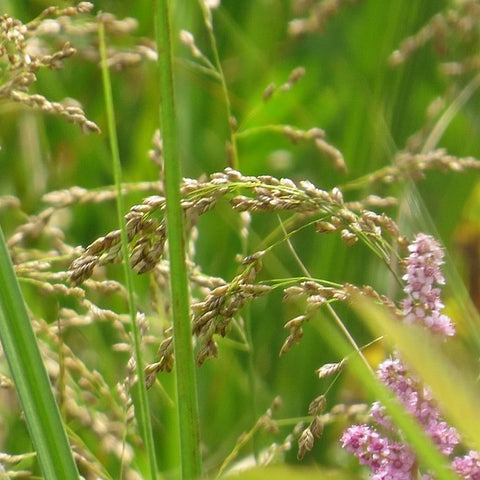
(31, 378)
(186, 386)
(104, 330)
(142, 406)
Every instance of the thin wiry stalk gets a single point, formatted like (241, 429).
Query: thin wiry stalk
(262, 423)
(232, 146)
(142, 407)
(187, 411)
(447, 117)
(330, 309)
(30, 377)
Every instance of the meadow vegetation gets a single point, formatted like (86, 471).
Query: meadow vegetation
(223, 217)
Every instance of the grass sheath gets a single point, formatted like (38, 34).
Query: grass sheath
(188, 420)
(142, 408)
(31, 379)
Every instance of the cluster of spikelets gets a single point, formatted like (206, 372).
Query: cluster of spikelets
(23, 53)
(84, 396)
(453, 34)
(212, 316)
(46, 42)
(146, 223)
(314, 16)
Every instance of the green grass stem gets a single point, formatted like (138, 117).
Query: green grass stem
(31, 379)
(188, 419)
(142, 407)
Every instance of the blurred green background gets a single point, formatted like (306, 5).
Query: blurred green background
(368, 110)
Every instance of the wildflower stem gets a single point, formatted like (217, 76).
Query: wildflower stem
(187, 411)
(142, 407)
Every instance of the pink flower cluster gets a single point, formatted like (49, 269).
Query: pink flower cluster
(417, 399)
(468, 466)
(386, 458)
(384, 453)
(423, 303)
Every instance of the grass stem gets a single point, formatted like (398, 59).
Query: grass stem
(142, 407)
(187, 411)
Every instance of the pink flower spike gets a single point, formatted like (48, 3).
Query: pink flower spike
(423, 304)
